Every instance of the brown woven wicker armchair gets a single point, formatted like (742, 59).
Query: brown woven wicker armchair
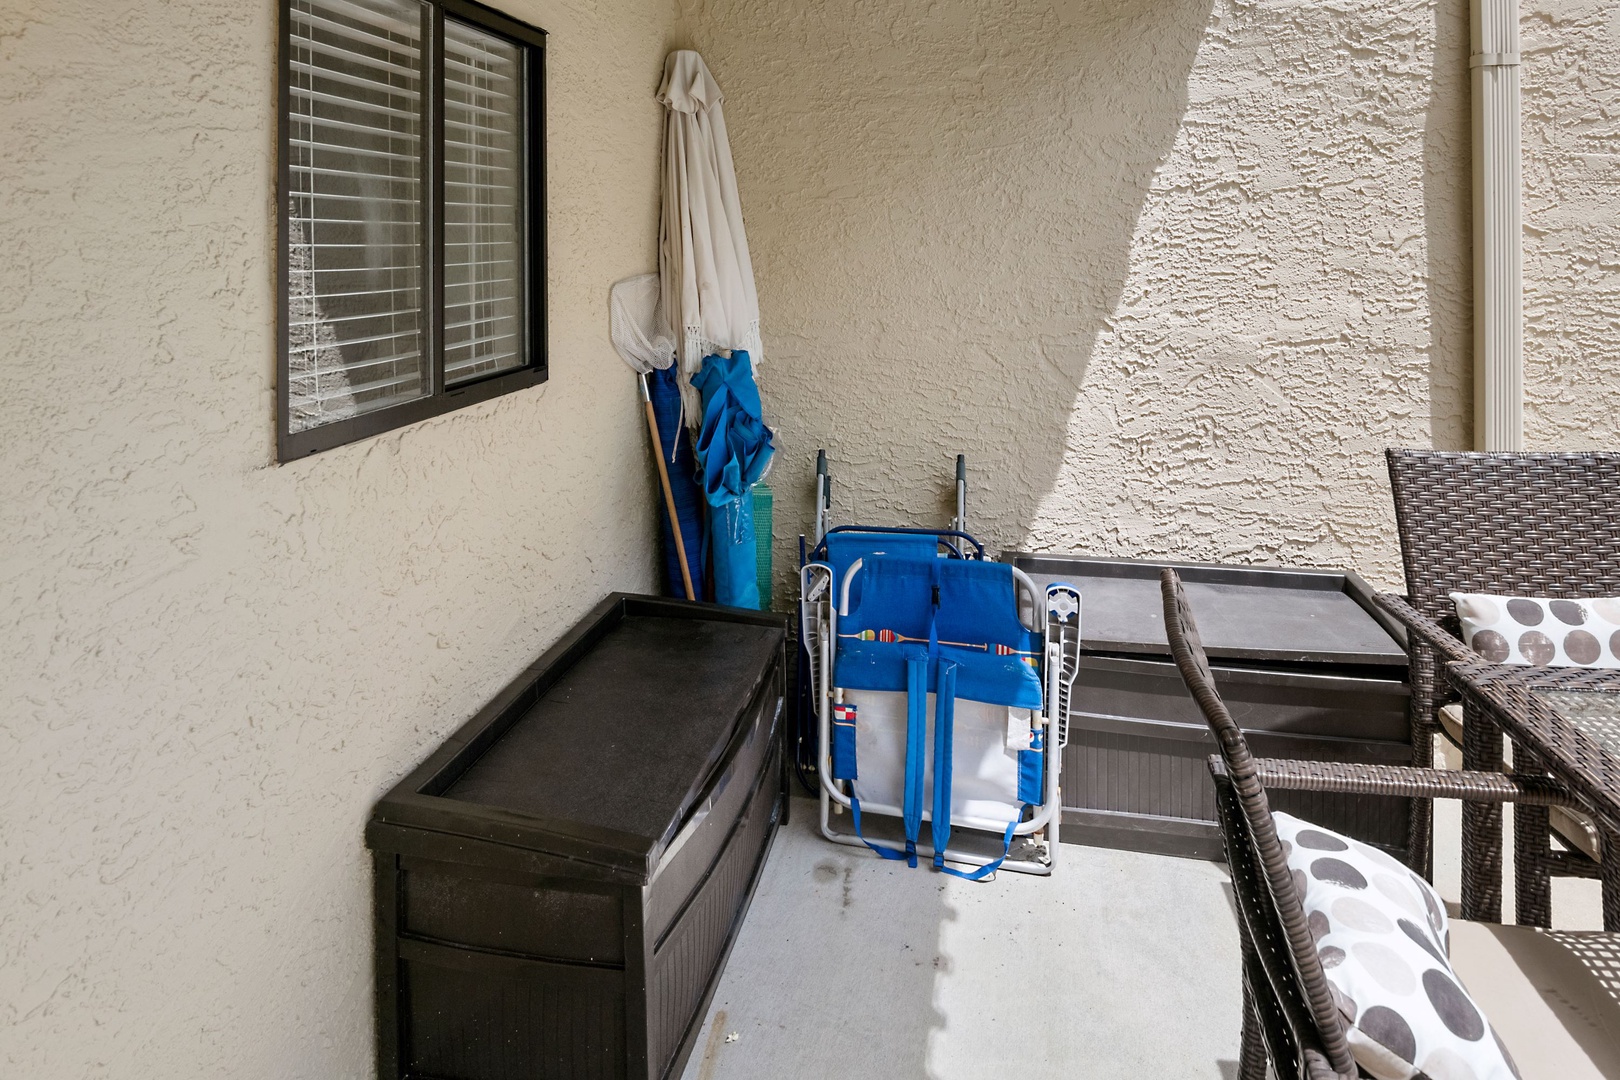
(1526, 524)
(1289, 1015)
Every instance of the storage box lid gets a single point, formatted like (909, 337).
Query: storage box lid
(602, 747)
(1244, 612)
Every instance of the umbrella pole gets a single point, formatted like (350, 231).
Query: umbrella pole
(669, 496)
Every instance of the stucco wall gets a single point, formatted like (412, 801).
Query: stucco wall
(1570, 77)
(212, 665)
(1170, 272)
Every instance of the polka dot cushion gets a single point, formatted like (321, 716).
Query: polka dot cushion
(1382, 936)
(1540, 631)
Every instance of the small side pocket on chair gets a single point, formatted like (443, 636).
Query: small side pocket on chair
(1031, 789)
(843, 742)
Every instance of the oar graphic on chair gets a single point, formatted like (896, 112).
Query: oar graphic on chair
(889, 636)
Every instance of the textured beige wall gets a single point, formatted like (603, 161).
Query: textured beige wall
(212, 665)
(1571, 132)
(1170, 272)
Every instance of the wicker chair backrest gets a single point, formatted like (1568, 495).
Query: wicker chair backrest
(1261, 832)
(1532, 524)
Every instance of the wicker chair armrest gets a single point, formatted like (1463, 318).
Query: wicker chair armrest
(1406, 781)
(1424, 629)
(1317, 1068)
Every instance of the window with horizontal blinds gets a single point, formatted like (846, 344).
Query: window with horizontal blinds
(355, 208)
(412, 262)
(483, 203)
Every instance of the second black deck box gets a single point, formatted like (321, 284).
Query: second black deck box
(557, 887)
(1309, 667)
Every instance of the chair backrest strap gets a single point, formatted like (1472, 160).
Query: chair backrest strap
(944, 770)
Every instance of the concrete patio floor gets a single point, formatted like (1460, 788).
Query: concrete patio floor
(848, 966)
(1119, 964)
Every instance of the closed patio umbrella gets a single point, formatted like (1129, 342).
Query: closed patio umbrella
(706, 275)
(734, 449)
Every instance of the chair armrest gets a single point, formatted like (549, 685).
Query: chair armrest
(1425, 630)
(1407, 781)
(1317, 1067)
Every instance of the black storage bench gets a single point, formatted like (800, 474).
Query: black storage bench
(1308, 664)
(558, 885)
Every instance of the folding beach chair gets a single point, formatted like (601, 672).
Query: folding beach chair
(940, 684)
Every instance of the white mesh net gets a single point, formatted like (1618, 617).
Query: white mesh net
(637, 325)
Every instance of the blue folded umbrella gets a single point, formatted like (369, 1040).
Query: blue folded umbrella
(733, 449)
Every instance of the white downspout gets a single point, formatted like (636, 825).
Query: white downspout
(1498, 250)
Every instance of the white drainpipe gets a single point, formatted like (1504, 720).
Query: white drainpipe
(1498, 251)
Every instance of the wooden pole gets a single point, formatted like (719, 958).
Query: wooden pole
(669, 495)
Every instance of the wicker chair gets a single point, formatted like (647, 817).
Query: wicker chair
(1289, 1015)
(1531, 524)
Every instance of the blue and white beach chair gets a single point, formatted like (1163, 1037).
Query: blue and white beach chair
(941, 685)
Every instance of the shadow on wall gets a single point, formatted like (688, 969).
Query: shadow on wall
(941, 202)
(1163, 270)
(1448, 215)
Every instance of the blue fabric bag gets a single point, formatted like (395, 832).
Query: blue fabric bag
(733, 449)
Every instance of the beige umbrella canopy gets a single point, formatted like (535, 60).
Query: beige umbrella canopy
(707, 277)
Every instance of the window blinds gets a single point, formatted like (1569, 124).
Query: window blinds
(360, 256)
(483, 203)
(355, 213)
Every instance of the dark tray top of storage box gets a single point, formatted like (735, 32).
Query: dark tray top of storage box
(600, 750)
(647, 755)
(1244, 613)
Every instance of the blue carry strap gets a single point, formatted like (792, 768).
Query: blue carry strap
(916, 750)
(918, 670)
(944, 766)
(944, 737)
(990, 867)
(887, 853)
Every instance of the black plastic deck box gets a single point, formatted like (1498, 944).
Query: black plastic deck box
(558, 885)
(1309, 666)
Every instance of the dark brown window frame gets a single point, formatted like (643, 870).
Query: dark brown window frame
(291, 445)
